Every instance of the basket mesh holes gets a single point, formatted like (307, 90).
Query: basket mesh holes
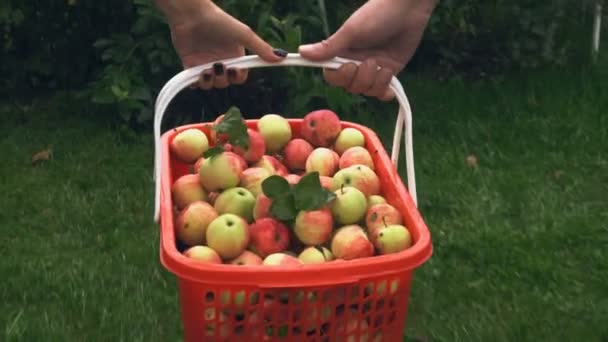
(209, 297)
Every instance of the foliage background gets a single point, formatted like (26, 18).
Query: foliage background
(117, 54)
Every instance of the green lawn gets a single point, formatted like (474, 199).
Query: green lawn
(519, 240)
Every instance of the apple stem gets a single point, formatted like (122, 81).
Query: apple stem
(342, 188)
(384, 221)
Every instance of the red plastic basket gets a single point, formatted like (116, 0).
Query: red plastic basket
(357, 300)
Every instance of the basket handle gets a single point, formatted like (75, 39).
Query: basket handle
(189, 76)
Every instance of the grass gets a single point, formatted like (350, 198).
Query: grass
(519, 239)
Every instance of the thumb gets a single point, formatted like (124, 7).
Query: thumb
(258, 46)
(328, 48)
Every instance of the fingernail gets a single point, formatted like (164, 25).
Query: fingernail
(279, 52)
(206, 77)
(231, 73)
(218, 68)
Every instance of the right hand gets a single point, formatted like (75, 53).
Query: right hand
(204, 32)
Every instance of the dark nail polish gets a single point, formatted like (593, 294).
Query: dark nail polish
(279, 52)
(206, 77)
(218, 68)
(231, 73)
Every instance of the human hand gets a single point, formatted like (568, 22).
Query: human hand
(202, 32)
(383, 34)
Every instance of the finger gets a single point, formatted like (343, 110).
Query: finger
(388, 95)
(237, 76)
(205, 82)
(221, 79)
(258, 46)
(329, 48)
(341, 77)
(380, 85)
(365, 77)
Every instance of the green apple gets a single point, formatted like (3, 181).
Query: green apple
(276, 132)
(203, 254)
(192, 222)
(221, 171)
(315, 255)
(228, 235)
(189, 145)
(358, 176)
(375, 199)
(393, 238)
(349, 206)
(348, 137)
(238, 201)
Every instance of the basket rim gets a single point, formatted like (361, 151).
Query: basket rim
(349, 271)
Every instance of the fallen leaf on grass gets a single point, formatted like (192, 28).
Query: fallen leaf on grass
(557, 174)
(472, 160)
(42, 155)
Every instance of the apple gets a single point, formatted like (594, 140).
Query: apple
(268, 236)
(228, 235)
(203, 254)
(211, 197)
(313, 227)
(252, 178)
(292, 179)
(187, 189)
(358, 176)
(348, 137)
(222, 138)
(197, 165)
(349, 206)
(275, 130)
(220, 172)
(356, 155)
(192, 222)
(261, 208)
(295, 154)
(315, 255)
(393, 238)
(238, 201)
(380, 215)
(375, 199)
(271, 164)
(246, 258)
(281, 259)
(321, 127)
(241, 160)
(326, 182)
(351, 242)
(189, 145)
(256, 148)
(322, 160)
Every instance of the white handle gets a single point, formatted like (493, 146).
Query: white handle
(191, 75)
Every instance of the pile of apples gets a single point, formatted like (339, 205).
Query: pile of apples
(271, 196)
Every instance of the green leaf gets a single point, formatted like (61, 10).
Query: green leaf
(275, 187)
(309, 194)
(232, 124)
(283, 208)
(212, 152)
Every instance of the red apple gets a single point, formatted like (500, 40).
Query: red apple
(314, 227)
(261, 208)
(203, 254)
(295, 154)
(358, 176)
(322, 160)
(256, 148)
(187, 189)
(220, 172)
(281, 259)
(321, 127)
(381, 215)
(252, 178)
(326, 182)
(351, 242)
(271, 164)
(246, 258)
(268, 236)
(356, 155)
(192, 222)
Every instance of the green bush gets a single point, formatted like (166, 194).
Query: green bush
(120, 54)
